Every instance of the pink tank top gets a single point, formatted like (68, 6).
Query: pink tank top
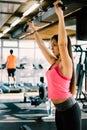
(58, 84)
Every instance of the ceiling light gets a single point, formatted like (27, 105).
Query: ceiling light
(6, 30)
(1, 34)
(32, 8)
(16, 22)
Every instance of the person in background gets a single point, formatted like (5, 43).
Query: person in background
(11, 68)
(61, 75)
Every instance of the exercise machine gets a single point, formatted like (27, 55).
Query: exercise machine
(81, 74)
(41, 97)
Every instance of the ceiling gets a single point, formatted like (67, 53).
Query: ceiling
(43, 16)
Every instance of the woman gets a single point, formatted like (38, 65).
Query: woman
(61, 76)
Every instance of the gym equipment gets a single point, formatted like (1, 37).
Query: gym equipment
(2, 66)
(79, 67)
(42, 79)
(4, 88)
(25, 27)
(41, 98)
(62, 6)
(24, 127)
(81, 73)
(34, 67)
(40, 66)
(42, 94)
(22, 66)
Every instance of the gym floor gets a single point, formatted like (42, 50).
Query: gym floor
(14, 113)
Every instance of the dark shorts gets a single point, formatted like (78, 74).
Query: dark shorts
(11, 72)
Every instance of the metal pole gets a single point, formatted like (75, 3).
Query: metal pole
(86, 70)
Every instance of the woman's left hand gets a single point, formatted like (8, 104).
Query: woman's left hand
(58, 10)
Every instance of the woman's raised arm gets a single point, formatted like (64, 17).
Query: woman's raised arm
(50, 58)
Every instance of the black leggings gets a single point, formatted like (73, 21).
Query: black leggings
(69, 119)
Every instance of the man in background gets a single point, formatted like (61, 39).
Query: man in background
(11, 68)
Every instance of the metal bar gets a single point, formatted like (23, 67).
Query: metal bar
(86, 70)
(10, 2)
(6, 13)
